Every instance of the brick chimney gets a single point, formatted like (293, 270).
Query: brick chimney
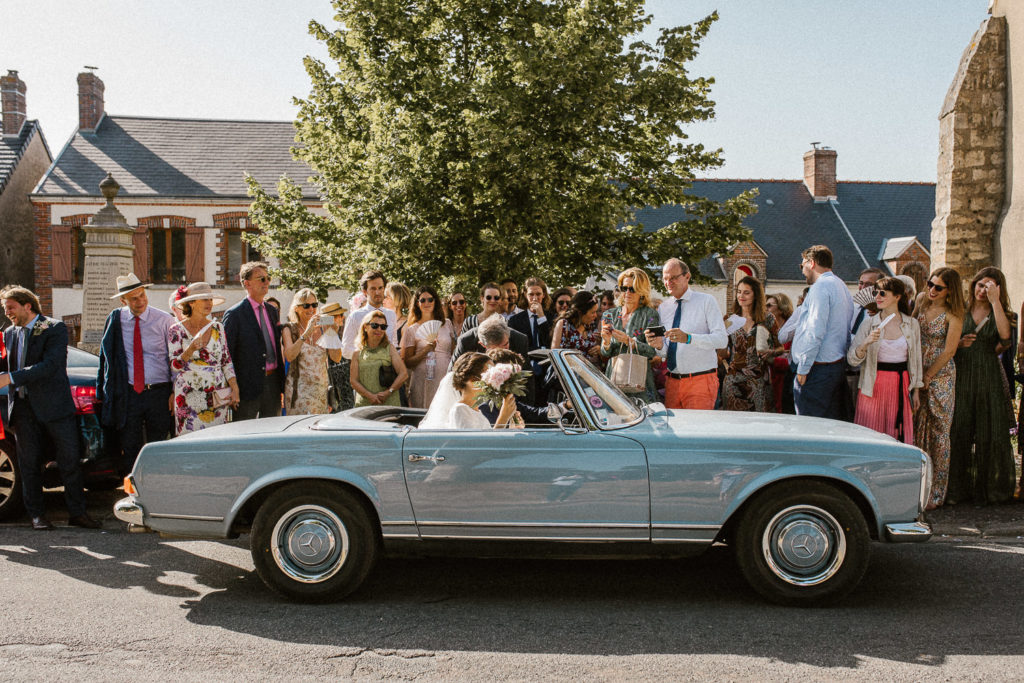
(90, 101)
(12, 101)
(820, 173)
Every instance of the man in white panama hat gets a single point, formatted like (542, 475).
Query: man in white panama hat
(134, 382)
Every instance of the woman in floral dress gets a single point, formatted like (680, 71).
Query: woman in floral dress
(305, 387)
(940, 312)
(577, 328)
(747, 385)
(200, 363)
(426, 360)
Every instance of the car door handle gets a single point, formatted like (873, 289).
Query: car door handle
(418, 458)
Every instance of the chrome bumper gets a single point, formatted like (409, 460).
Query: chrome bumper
(909, 532)
(128, 510)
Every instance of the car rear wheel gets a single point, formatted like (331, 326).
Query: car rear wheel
(802, 543)
(10, 482)
(313, 542)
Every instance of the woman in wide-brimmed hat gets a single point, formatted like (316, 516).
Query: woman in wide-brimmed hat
(340, 395)
(204, 379)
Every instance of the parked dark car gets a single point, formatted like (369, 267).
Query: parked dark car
(99, 456)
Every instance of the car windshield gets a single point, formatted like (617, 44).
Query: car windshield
(610, 406)
(77, 358)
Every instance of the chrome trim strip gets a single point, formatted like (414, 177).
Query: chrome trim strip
(195, 518)
(536, 525)
(908, 532)
(413, 536)
(408, 523)
(694, 527)
(704, 541)
(617, 539)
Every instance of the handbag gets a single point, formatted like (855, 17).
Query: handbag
(386, 375)
(629, 370)
(220, 397)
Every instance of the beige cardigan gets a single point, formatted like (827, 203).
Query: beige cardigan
(911, 332)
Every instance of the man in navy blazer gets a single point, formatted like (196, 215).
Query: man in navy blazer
(537, 327)
(39, 405)
(251, 330)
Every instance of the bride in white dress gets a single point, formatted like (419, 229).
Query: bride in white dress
(454, 407)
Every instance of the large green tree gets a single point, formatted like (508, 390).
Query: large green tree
(456, 141)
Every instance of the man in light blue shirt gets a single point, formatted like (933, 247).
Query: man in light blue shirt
(821, 339)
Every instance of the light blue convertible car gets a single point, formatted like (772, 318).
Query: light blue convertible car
(798, 499)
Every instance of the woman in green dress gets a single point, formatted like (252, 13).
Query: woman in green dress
(981, 466)
(375, 352)
(622, 327)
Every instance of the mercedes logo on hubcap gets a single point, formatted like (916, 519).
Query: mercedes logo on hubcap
(804, 546)
(311, 543)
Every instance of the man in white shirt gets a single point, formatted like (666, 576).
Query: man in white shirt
(694, 330)
(372, 283)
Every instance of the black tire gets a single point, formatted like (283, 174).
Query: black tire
(313, 542)
(10, 482)
(803, 543)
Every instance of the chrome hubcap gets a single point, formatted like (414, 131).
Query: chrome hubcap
(310, 543)
(804, 545)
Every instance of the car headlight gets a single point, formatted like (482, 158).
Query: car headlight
(926, 481)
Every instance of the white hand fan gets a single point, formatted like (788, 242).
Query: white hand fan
(429, 330)
(865, 298)
(734, 322)
(329, 340)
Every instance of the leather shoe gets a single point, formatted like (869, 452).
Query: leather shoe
(83, 520)
(41, 524)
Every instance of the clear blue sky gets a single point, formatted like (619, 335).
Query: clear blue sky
(866, 77)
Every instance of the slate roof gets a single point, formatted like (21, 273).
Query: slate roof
(788, 221)
(13, 148)
(158, 157)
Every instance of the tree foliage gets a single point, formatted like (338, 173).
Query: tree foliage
(457, 141)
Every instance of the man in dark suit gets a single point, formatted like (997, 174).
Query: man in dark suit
(134, 378)
(534, 323)
(39, 405)
(532, 415)
(251, 330)
(492, 333)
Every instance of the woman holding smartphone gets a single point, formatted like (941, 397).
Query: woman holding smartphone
(305, 388)
(622, 327)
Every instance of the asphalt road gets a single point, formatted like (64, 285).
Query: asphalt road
(116, 606)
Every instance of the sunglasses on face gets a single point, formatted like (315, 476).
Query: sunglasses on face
(937, 288)
(308, 306)
(883, 292)
(627, 290)
(427, 300)
(262, 278)
(459, 302)
(562, 303)
(493, 298)
(377, 326)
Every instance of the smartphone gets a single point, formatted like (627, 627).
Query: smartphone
(657, 330)
(608, 318)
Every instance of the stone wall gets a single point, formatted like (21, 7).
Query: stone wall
(17, 248)
(971, 184)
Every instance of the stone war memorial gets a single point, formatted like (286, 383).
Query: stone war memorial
(109, 252)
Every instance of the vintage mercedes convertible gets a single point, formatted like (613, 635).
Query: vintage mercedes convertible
(798, 499)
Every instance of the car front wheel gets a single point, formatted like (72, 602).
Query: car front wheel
(10, 482)
(802, 543)
(313, 542)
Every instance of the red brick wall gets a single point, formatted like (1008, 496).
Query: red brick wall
(44, 261)
(820, 172)
(750, 255)
(232, 220)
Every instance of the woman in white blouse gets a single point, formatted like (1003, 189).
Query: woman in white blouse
(891, 357)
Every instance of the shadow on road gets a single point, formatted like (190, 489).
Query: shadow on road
(911, 607)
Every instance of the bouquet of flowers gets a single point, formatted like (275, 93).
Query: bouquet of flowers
(499, 381)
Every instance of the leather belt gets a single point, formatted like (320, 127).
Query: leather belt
(831, 362)
(271, 372)
(147, 387)
(688, 375)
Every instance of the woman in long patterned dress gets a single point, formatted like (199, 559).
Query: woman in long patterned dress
(578, 329)
(747, 386)
(200, 363)
(375, 351)
(981, 466)
(305, 387)
(340, 395)
(940, 313)
(426, 359)
(623, 327)
(780, 306)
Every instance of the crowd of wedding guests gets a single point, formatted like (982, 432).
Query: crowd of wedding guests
(919, 357)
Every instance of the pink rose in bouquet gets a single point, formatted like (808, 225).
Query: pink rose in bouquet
(499, 381)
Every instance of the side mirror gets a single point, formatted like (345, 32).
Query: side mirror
(567, 428)
(555, 411)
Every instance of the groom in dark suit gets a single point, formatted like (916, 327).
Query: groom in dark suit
(39, 405)
(251, 330)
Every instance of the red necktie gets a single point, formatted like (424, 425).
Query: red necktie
(138, 365)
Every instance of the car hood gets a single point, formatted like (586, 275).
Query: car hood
(766, 427)
(266, 425)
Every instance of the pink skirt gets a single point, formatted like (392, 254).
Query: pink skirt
(889, 407)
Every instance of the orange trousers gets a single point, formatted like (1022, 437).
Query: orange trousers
(692, 393)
